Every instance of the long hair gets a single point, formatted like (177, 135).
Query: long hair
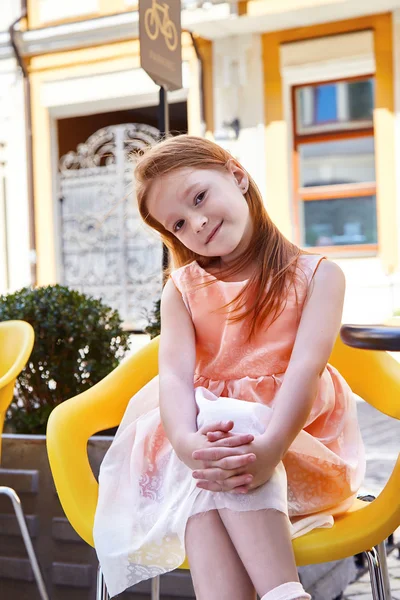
(265, 294)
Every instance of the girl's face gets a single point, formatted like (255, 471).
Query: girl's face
(205, 209)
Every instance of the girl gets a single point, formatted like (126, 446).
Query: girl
(248, 438)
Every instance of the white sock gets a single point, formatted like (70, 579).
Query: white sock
(287, 591)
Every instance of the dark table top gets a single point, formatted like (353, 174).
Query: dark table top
(371, 337)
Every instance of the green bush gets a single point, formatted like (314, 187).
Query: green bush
(154, 319)
(78, 341)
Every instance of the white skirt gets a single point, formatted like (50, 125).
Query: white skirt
(147, 495)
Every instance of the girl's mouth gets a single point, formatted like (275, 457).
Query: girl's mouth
(214, 233)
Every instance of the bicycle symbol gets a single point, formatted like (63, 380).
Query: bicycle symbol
(156, 20)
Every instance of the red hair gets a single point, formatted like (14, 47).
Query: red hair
(264, 295)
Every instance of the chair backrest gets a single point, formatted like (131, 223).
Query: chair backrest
(16, 343)
(374, 375)
(103, 405)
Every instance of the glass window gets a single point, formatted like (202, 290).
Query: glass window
(333, 106)
(360, 99)
(335, 181)
(340, 222)
(326, 103)
(350, 160)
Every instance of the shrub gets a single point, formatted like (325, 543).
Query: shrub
(154, 319)
(78, 341)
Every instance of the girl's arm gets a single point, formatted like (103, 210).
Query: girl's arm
(177, 356)
(318, 329)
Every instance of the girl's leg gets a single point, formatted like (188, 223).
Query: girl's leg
(262, 540)
(217, 571)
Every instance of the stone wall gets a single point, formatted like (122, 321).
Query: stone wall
(68, 564)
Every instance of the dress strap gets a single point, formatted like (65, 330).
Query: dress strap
(176, 280)
(311, 263)
(181, 279)
(317, 262)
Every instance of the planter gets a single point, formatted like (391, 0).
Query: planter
(69, 565)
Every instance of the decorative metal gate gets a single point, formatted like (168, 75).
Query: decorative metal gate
(107, 252)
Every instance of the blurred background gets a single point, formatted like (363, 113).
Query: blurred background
(305, 94)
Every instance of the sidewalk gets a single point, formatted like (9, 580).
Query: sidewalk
(361, 589)
(381, 436)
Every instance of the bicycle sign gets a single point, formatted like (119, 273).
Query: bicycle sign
(156, 21)
(160, 41)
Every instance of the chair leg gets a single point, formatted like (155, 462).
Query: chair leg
(101, 590)
(378, 571)
(385, 570)
(19, 513)
(155, 588)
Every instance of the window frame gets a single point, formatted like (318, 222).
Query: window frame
(328, 192)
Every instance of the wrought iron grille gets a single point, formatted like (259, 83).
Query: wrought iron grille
(106, 249)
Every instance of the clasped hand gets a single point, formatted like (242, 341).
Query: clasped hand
(230, 462)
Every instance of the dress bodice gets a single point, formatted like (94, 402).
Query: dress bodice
(223, 350)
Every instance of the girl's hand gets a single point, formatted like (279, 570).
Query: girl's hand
(199, 441)
(219, 476)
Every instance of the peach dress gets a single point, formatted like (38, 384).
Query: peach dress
(147, 495)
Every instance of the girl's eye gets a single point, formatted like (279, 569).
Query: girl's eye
(178, 225)
(199, 198)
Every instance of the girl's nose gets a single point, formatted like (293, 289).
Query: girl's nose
(200, 222)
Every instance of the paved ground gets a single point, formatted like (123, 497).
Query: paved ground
(361, 589)
(381, 435)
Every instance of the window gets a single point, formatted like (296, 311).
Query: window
(334, 165)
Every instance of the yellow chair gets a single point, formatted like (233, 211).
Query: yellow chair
(16, 343)
(362, 529)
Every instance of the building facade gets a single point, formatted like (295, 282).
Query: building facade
(305, 94)
(14, 214)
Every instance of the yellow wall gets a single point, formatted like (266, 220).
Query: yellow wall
(84, 62)
(105, 7)
(205, 48)
(384, 121)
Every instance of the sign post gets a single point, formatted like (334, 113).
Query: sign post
(161, 54)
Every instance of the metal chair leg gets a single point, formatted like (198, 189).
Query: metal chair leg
(101, 590)
(378, 572)
(19, 513)
(155, 588)
(385, 570)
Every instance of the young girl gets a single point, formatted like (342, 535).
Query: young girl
(248, 438)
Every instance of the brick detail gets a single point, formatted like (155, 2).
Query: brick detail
(177, 584)
(9, 525)
(62, 531)
(16, 568)
(22, 481)
(71, 575)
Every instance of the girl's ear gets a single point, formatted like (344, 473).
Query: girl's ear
(239, 174)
